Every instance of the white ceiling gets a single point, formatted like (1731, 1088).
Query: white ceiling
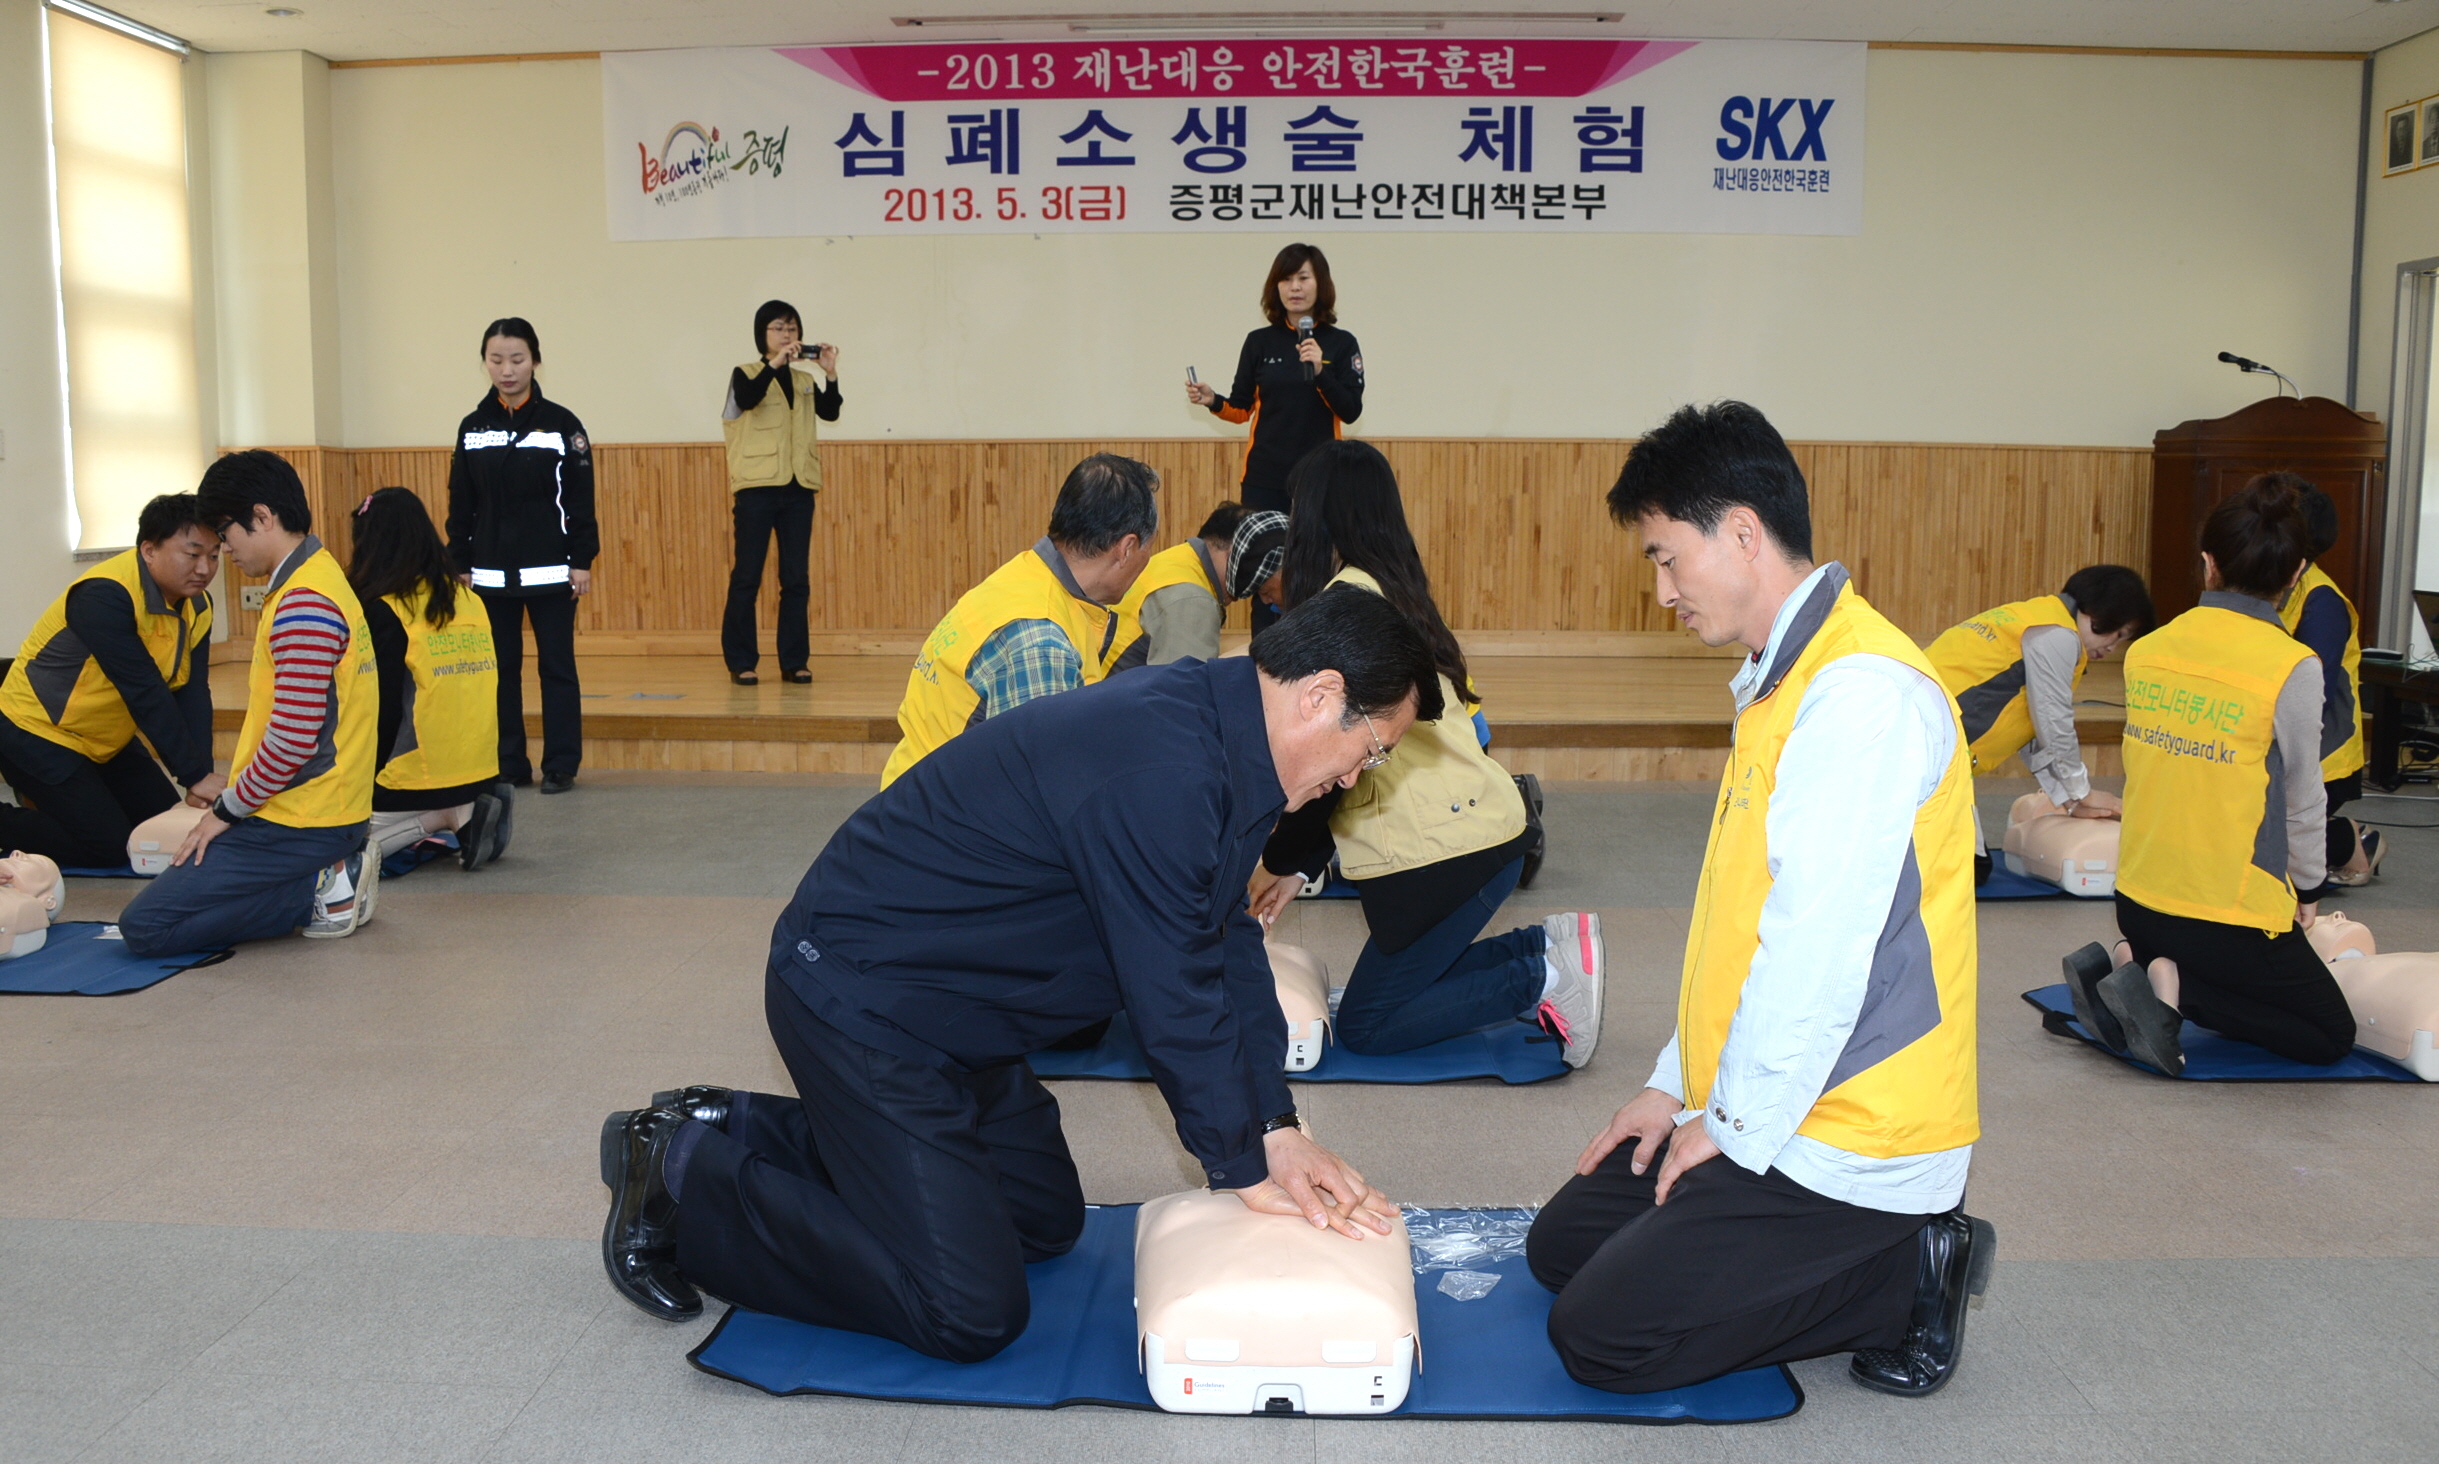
(354, 30)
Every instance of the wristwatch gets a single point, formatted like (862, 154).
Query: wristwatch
(1285, 1120)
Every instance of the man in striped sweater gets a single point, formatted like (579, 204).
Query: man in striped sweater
(284, 844)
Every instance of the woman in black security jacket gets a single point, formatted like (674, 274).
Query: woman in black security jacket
(1297, 392)
(521, 531)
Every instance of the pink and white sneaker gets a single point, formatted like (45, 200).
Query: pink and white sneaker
(1570, 1008)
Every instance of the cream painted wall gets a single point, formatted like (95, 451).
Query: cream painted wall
(274, 247)
(34, 547)
(2400, 225)
(2056, 247)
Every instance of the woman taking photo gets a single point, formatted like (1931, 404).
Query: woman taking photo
(521, 531)
(2224, 853)
(774, 471)
(1433, 835)
(1297, 384)
(438, 743)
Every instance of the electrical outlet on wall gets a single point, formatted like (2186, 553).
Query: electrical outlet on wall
(252, 596)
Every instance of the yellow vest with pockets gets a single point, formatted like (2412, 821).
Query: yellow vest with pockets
(939, 702)
(776, 442)
(1981, 662)
(1179, 564)
(2348, 757)
(1906, 1082)
(449, 729)
(2205, 832)
(59, 692)
(335, 787)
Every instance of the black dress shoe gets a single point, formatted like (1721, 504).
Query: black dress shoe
(639, 1240)
(701, 1102)
(2085, 970)
(1957, 1253)
(478, 842)
(2154, 1029)
(507, 794)
(558, 782)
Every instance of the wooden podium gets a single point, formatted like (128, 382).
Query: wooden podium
(2195, 464)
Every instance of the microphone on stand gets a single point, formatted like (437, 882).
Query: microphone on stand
(2241, 364)
(1304, 332)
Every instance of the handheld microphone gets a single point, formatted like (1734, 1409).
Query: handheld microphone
(1304, 332)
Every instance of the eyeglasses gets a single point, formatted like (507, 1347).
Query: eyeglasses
(1380, 754)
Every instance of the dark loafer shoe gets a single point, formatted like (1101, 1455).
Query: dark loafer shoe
(2085, 970)
(1957, 1254)
(507, 794)
(639, 1240)
(701, 1102)
(557, 783)
(479, 840)
(2154, 1029)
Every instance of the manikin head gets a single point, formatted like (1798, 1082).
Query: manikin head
(256, 503)
(24, 924)
(1343, 676)
(180, 554)
(35, 876)
(1724, 517)
(1103, 523)
(2112, 608)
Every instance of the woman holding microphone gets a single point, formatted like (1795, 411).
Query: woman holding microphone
(522, 532)
(1299, 381)
(774, 472)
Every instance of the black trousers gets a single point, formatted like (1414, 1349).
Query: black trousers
(2341, 830)
(2270, 990)
(85, 820)
(787, 511)
(554, 621)
(1737, 1270)
(892, 1198)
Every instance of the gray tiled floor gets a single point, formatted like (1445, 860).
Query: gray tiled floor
(336, 1203)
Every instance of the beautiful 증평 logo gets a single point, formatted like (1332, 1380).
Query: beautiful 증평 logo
(695, 159)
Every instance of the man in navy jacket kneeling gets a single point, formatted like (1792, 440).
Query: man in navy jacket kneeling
(1084, 854)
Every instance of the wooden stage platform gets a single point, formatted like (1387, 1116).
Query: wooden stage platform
(1566, 705)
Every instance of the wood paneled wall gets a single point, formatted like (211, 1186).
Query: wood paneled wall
(1514, 531)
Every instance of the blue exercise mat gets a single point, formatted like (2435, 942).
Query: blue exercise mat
(2211, 1058)
(418, 854)
(87, 958)
(1516, 1052)
(2006, 884)
(1480, 1359)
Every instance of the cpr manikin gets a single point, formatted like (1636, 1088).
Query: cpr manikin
(29, 902)
(156, 840)
(1304, 999)
(1240, 1312)
(2395, 998)
(2045, 842)
(35, 876)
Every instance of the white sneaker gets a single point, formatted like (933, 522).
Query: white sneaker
(344, 895)
(1571, 1008)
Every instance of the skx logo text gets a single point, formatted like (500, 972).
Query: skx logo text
(1758, 130)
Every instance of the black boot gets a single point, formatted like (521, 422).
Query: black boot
(1957, 1252)
(639, 1240)
(700, 1102)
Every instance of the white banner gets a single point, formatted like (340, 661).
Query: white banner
(1721, 137)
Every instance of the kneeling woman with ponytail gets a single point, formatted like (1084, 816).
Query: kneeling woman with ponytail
(438, 743)
(2224, 854)
(1433, 835)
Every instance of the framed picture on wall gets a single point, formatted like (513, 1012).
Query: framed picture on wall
(2402, 152)
(2429, 152)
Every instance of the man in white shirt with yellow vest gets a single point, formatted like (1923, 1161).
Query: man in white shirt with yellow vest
(1042, 623)
(284, 844)
(1789, 1183)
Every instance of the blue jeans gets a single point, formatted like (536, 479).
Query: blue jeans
(254, 882)
(1442, 986)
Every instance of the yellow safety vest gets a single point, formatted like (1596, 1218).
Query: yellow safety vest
(449, 729)
(1906, 1082)
(2205, 833)
(940, 702)
(1179, 564)
(1981, 662)
(1438, 796)
(776, 442)
(2348, 758)
(335, 788)
(58, 692)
